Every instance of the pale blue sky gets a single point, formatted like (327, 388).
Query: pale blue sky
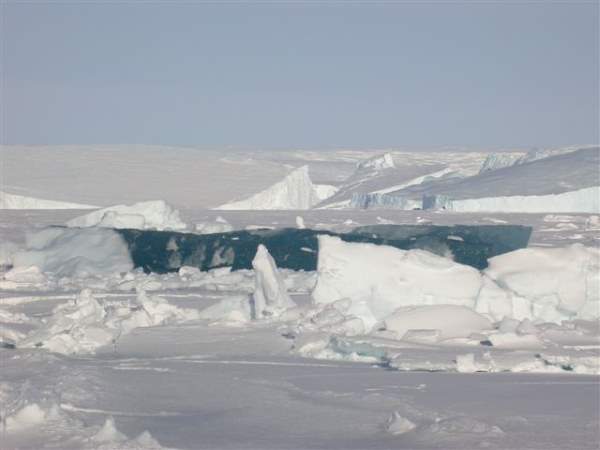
(301, 74)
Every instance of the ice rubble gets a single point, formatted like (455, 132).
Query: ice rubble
(34, 415)
(14, 201)
(88, 322)
(295, 191)
(74, 252)
(268, 300)
(155, 215)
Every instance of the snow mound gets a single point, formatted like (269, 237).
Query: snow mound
(295, 191)
(379, 162)
(585, 200)
(379, 279)
(451, 321)
(75, 252)
(549, 284)
(155, 215)
(270, 295)
(13, 201)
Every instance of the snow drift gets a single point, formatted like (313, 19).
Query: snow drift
(14, 201)
(295, 191)
(156, 215)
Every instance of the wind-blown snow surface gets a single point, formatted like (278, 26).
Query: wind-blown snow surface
(295, 191)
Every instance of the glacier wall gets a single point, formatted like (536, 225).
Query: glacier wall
(373, 200)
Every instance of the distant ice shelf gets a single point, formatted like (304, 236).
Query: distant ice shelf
(14, 201)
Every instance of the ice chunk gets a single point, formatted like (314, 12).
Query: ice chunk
(379, 162)
(380, 279)
(295, 191)
(29, 416)
(156, 215)
(109, 432)
(553, 284)
(25, 275)
(220, 225)
(451, 321)
(466, 363)
(270, 295)
(398, 424)
(75, 252)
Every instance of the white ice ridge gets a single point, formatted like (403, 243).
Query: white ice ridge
(157, 215)
(270, 294)
(295, 191)
(14, 201)
(539, 284)
(585, 200)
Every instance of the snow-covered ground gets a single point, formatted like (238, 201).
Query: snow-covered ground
(379, 348)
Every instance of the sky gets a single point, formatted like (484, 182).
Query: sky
(300, 74)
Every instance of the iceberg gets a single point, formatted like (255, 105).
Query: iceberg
(295, 191)
(157, 215)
